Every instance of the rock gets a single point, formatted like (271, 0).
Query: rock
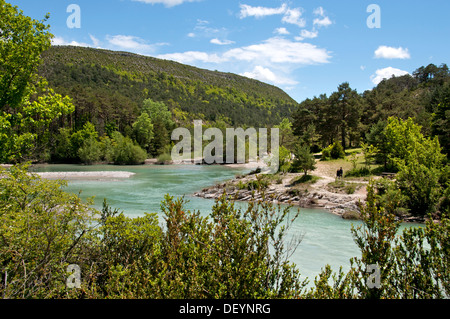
(351, 215)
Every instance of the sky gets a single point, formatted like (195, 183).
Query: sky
(306, 48)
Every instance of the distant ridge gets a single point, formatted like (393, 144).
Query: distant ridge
(97, 79)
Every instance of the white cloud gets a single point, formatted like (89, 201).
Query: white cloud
(319, 11)
(94, 40)
(202, 29)
(386, 73)
(281, 31)
(129, 42)
(192, 56)
(266, 75)
(271, 51)
(385, 52)
(279, 50)
(61, 41)
(294, 16)
(221, 42)
(132, 43)
(305, 34)
(259, 12)
(167, 3)
(324, 21)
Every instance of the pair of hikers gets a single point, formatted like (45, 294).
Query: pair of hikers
(339, 173)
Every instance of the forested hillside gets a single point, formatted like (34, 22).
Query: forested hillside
(109, 87)
(351, 117)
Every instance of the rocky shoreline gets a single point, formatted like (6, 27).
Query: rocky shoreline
(282, 192)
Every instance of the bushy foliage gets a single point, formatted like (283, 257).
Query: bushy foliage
(91, 151)
(333, 151)
(304, 160)
(126, 152)
(43, 230)
(112, 85)
(233, 253)
(420, 165)
(412, 264)
(28, 105)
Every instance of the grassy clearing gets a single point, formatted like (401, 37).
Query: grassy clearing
(304, 179)
(342, 187)
(354, 166)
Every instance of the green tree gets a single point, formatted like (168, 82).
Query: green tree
(42, 229)
(126, 152)
(304, 160)
(91, 151)
(161, 118)
(345, 109)
(27, 104)
(368, 151)
(22, 40)
(62, 150)
(337, 151)
(284, 159)
(78, 139)
(377, 138)
(143, 130)
(420, 164)
(441, 117)
(287, 138)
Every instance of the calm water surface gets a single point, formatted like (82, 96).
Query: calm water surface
(327, 238)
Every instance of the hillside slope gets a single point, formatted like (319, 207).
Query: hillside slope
(109, 87)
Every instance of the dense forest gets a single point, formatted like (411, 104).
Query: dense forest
(109, 87)
(350, 117)
(122, 107)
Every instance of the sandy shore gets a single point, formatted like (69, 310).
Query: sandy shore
(101, 175)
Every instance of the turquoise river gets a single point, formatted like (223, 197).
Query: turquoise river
(327, 238)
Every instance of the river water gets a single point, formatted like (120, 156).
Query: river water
(327, 238)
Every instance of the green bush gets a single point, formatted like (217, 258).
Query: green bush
(333, 151)
(42, 229)
(164, 158)
(337, 151)
(359, 172)
(304, 179)
(125, 152)
(230, 254)
(326, 153)
(91, 151)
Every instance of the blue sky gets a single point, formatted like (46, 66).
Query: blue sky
(304, 47)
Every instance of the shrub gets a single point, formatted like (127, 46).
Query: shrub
(337, 151)
(304, 161)
(91, 151)
(164, 158)
(359, 172)
(305, 179)
(125, 152)
(43, 230)
(326, 153)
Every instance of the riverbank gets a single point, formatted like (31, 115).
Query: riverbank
(342, 197)
(323, 191)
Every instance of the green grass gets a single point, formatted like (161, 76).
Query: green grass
(343, 187)
(304, 179)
